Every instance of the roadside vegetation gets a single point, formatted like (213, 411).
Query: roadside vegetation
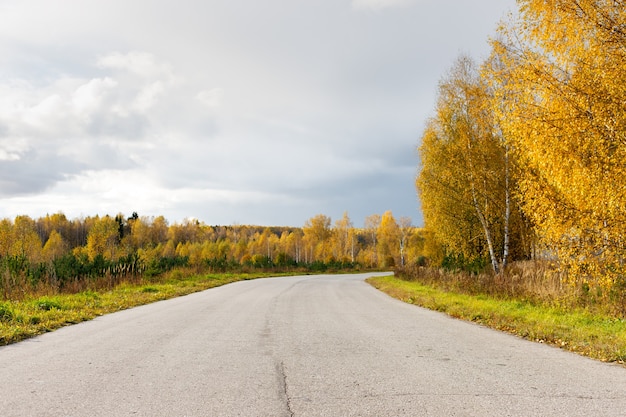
(33, 315)
(54, 254)
(541, 312)
(523, 163)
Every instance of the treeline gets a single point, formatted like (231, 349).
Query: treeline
(57, 253)
(525, 156)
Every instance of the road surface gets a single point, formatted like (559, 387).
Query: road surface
(300, 346)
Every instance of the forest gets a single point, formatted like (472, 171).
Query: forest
(56, 254)
(524, 157)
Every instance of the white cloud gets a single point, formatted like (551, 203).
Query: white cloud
(141, 63)
(87, 98)
(211, 98)
(149, 96)
(6, 155)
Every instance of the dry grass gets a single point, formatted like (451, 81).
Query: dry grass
(538, 282)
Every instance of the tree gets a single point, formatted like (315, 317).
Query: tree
(25, 239)
(466, 178)
(140, 232)
(6, 237)
(563, 88)
(158, 230)
(371, 227)
(405, 226)
(55, 247)
(344, 238)
(103, 238)
(388, 237)
(316, 232)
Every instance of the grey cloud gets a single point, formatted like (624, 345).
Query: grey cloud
(131, 127)
(34, 173)
(300, 107)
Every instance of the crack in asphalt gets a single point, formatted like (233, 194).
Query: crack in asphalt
(284, 387)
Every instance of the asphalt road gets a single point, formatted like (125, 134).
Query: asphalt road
(300, 346)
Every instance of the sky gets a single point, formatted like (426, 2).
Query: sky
(227, 111)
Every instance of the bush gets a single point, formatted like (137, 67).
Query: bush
(163, 264)
(458, 262)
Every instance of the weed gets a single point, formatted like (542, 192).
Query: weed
(6, 313)
(46, 304)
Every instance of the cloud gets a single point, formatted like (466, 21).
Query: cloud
(57, 129)
(211, 98)
(256, 112)
(378, 4)
(87, 98)
(142, 64)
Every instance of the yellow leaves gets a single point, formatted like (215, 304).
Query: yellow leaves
(564, 88)
(388, 236)
(466, 171)
(103, 238)
(55, 246)
(24, 239)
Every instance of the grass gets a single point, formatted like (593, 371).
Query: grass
(35, 315)
(594, 335)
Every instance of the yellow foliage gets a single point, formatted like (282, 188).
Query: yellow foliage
(103, 238)
(55, 246)
(563, 89)
(467, 174)
(24, 240)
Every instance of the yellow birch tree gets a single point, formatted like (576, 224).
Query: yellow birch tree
(563, 89)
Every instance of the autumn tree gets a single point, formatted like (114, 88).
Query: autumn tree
(372, 222)
(25, 240)
(465, 183)
(140, 232)
(563, 88)
(344, 238)
(158, 230)
(6, 238)
(317, 231)
(103, 238)
(405, 227)
(388, 238)
(55, 247)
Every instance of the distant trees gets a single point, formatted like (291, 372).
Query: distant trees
(388, 240)
(103, 239)
(317, 235)
(56, 251)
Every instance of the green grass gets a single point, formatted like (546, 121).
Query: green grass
(597, 336)
(20, 320)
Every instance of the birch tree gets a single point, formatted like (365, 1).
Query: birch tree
(465, 182)
(563, 111)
